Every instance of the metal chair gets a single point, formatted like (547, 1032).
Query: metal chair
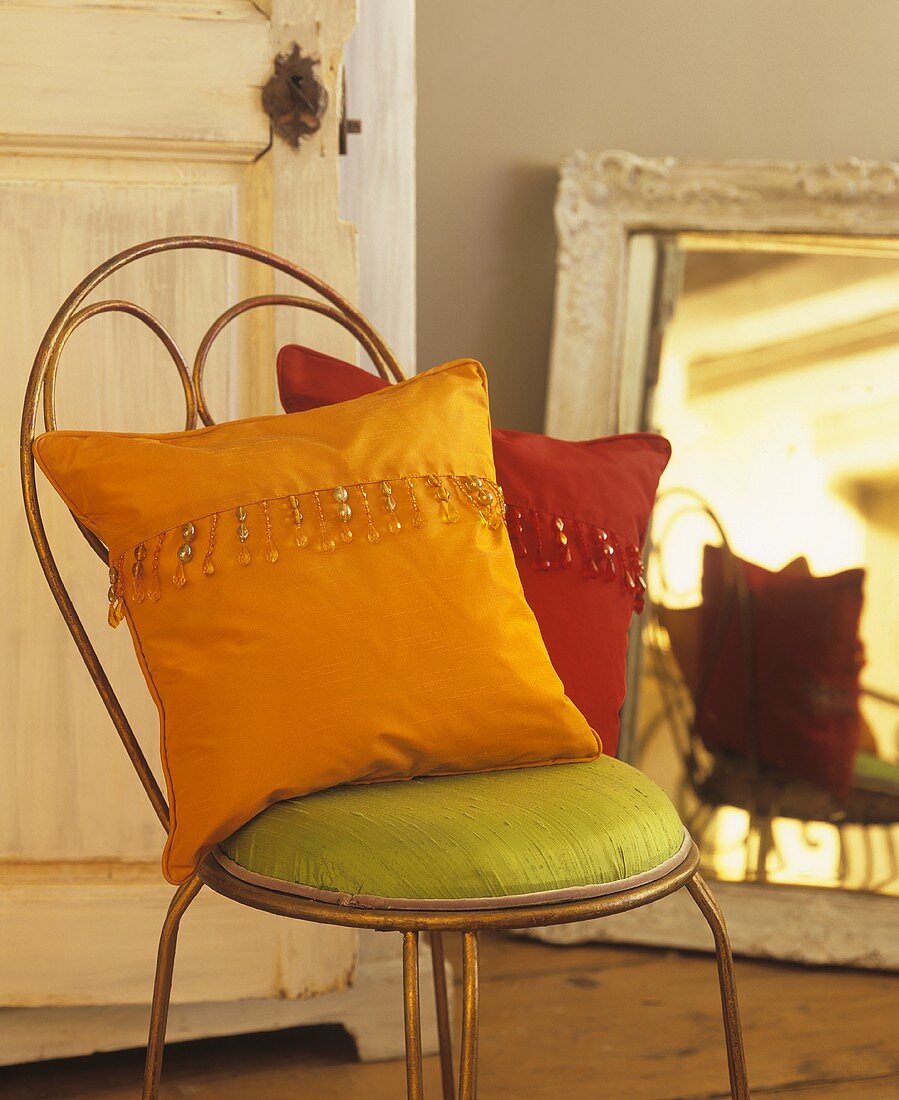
(212, 874)
(716, 778)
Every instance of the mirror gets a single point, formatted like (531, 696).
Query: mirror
(740, 318)
(768, 694)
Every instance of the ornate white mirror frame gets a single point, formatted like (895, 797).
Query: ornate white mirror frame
(597, 385)
(604, 199)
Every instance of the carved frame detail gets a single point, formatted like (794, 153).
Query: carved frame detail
(604, 198)
(601, 200)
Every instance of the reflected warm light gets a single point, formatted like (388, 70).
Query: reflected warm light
(780, 394)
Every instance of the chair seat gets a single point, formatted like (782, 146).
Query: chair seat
(524, 836)
(872, 773)
(872, 800)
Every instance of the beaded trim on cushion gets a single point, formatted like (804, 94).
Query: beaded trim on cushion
(270, 523)
(604, 555)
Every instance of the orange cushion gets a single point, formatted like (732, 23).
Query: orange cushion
(320, 598)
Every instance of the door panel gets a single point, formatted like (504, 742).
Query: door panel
(123, 121)
(149, 79)
(65, 790)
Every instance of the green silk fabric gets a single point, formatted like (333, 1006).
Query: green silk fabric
(489, 835)
(869, 766)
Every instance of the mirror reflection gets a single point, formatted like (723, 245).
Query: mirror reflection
(768, 686)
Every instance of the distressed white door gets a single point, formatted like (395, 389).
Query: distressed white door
(120, 121)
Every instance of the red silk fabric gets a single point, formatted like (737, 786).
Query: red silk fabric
(577, 515)
(802, 675)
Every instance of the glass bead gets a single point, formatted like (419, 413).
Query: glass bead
(299, 535)
(153, 590)
(340, 494)
(188, 532)
(185, 552)
(240, 513)
(243, 532)
(417, 519)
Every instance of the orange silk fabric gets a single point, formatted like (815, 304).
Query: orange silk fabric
(412, 654)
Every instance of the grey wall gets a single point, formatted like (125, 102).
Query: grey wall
(505, 87)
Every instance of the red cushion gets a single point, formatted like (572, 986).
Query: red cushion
(806, 657)
(577, 515)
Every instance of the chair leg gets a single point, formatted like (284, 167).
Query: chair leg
(766, 846)
(868, 850)
(162, 987)
(844, 868)
(412, 1017)
(736, 1059)
(468, 1058)
(444, 1030)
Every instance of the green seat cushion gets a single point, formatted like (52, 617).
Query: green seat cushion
(871, 768)
(466, 841)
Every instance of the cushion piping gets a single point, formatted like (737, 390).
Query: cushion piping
(507, 901)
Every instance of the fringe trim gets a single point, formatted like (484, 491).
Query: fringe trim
(317, 521)
(547, 541)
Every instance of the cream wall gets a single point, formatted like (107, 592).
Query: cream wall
(377, 176)
(506, 87)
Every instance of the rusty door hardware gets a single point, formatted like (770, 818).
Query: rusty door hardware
(294, 98)
(347, 125)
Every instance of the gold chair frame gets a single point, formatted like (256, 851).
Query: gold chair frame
(411, 924)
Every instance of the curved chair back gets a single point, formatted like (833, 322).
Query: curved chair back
(41, 390)
(737, 602)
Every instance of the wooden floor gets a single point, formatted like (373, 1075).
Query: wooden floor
(609, 1023)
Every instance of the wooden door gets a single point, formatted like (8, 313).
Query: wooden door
(120, 121)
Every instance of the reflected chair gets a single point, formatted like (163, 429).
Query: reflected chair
(683, 665)
(479, 840)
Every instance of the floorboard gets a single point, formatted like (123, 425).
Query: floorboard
(593, 1021)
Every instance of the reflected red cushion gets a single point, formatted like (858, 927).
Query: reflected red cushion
(577, 515)
(803, 680)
